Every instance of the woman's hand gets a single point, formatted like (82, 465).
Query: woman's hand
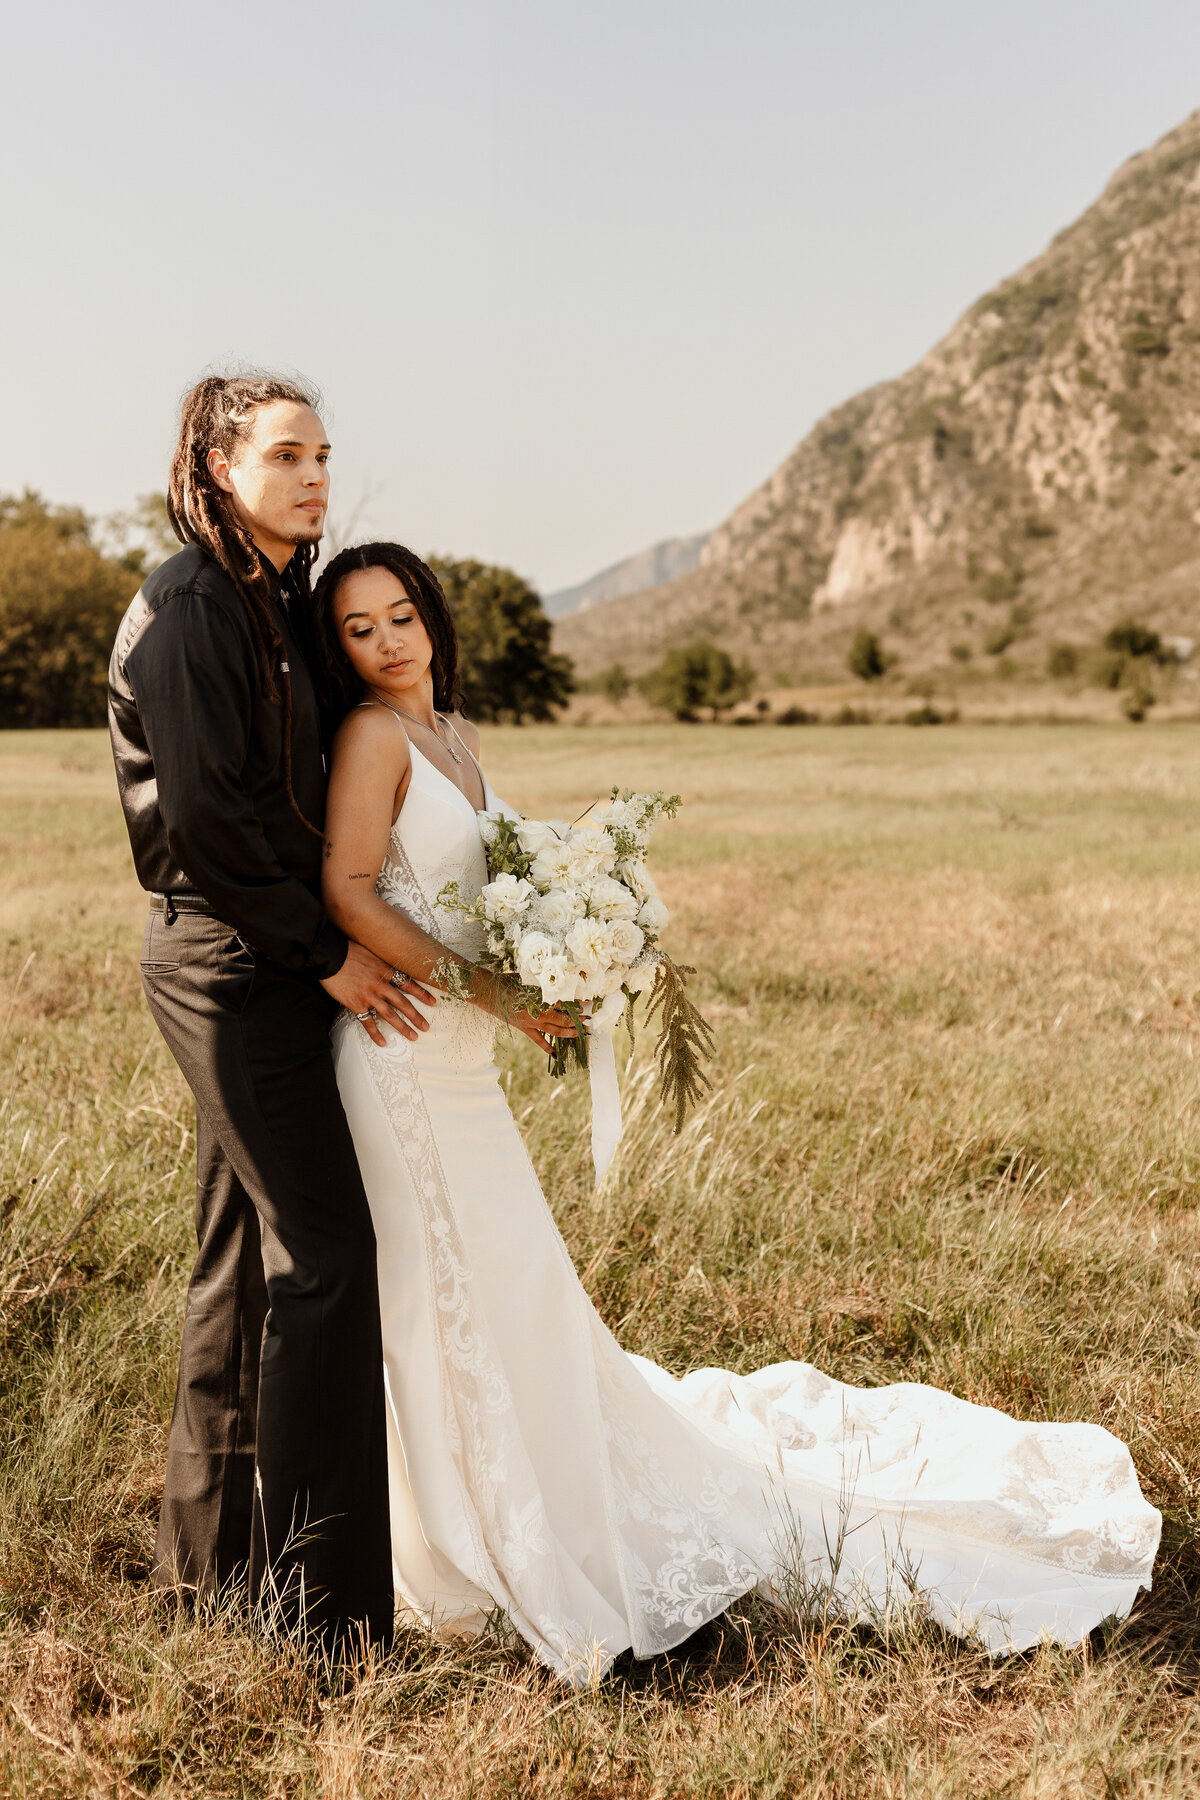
(498, 997)
(542, 1027)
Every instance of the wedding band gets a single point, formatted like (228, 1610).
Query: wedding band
(398, 978)
(369, 1014)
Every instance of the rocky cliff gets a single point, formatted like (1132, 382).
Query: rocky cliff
(1041, 465)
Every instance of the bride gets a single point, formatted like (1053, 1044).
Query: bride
(535, 1466)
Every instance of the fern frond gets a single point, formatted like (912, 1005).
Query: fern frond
(684, 1039)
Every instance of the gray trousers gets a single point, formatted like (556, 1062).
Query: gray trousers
(277, 1462)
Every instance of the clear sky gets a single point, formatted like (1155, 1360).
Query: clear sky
(573, 277)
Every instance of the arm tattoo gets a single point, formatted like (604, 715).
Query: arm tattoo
(364, 876)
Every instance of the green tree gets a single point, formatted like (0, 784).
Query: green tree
(694, 676)
(866, 658)
(61, 599)
(506, 666)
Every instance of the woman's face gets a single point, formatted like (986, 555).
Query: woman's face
(382, 633)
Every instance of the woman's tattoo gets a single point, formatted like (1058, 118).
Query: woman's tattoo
(364, 876)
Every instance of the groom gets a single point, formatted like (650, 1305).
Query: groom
(276, 1467)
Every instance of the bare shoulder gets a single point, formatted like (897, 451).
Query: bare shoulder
(467, 732)
(370, 735)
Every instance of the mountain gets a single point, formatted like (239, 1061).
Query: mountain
(662, 562)
(1037, 475)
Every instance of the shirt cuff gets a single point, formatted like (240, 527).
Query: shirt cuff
(330, 949)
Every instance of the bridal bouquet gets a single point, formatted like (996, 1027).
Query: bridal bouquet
(572, 919)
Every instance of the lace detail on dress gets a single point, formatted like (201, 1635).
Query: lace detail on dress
(462, 1034)
(503, 1501)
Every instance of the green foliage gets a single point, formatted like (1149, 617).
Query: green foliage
(1062, 661)
(696, 676)
(1131, 638)
(998, 639)
(61, 599)
(1138, 701)
(506, 665)
(614, 683)
(685, 1040)
(866, 658)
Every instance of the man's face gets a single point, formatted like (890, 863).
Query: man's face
(279, 479)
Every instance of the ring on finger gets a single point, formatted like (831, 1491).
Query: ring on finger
(398, 978)
(369, 1014)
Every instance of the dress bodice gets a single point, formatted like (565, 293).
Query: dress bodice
(434, 841)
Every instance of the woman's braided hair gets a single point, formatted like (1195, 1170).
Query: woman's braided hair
(218, 414)
(342, 686)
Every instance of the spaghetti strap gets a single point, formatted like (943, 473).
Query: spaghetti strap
(458, 734)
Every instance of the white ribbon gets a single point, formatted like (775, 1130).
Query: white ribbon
(606, 1101)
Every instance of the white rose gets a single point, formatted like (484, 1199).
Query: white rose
(553, 866)
(610, 899)
(589, 942)
(558, 910)
(639, 979)
(489, 826)
(627, 940)
(653, 916)
(536, 834)
(559, 979)
(534, 954)
(616, 813)
(638, 880)
(506, 898)
(594, 850)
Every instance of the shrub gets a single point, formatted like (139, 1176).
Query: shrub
(866, 658)
(1131, 638)
(1062, 661)
(929, 715)
(1104, 668)
(1137, 702)
(796, 715)
(961, 652)
(614, 683)
(998, 639)
(695, 676)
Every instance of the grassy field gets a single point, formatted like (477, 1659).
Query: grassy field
(956, 980)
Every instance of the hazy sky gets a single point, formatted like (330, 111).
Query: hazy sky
(572, 277)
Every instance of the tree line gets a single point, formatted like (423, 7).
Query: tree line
(65, 581)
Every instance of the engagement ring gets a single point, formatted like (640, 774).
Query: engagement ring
(369, 1014)
(398, 978)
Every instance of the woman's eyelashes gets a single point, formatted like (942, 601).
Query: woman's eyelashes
(368, 629)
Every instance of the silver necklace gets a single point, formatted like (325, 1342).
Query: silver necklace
(431, 729)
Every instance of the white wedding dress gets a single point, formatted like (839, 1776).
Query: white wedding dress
(537, 1468)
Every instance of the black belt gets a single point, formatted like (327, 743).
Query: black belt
(177, 903)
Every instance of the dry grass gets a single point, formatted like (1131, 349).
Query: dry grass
(956, 983)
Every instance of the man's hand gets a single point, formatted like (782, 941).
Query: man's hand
(364, 983)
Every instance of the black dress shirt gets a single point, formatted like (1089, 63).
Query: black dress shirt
(200, 763)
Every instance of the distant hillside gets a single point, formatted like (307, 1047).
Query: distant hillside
(1038, 472)
(662, 562)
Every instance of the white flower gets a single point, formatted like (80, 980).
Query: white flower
(627, 940)
(617, 813)
(560, 979)
(536, 834)
(637, 980)
(653, 916)
(637, 879)
(609, 899)
(594, 850)
(608, 1013)
(589, 942)
(489, 826)
(506, 898)
(534, 955)
(554, 866)
(557, 911)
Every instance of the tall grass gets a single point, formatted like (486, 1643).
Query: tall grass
(957, 991)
